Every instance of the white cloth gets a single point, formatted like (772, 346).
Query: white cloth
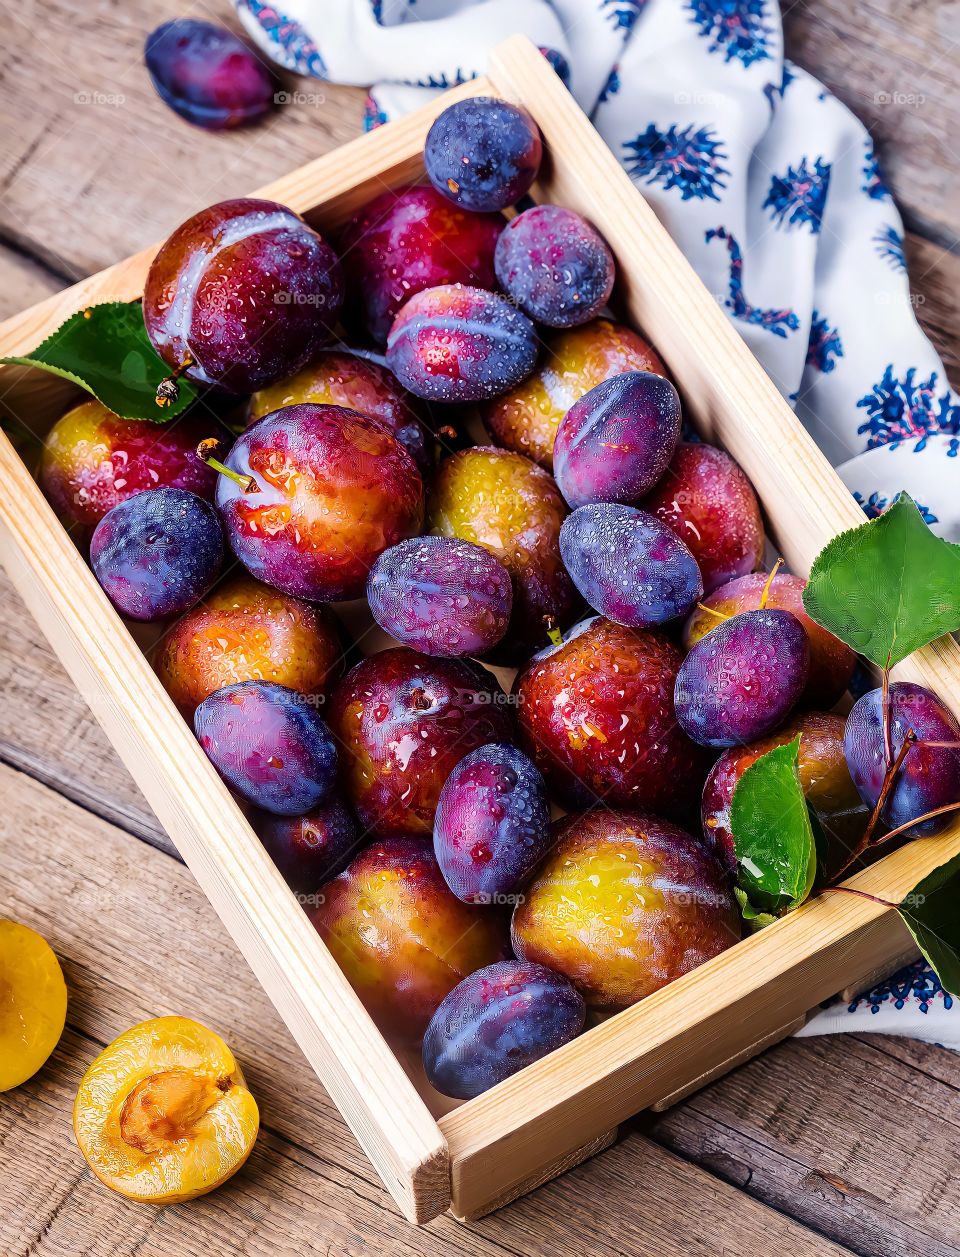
(772, 189)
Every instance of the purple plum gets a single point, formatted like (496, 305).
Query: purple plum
(309, 850)
(269, 744)
(441, 595)
(157, 553)
(616, 442)
(742, 680)
(493, 823)
(629, 566)
(929, 776)
(555, 266)
(483, 154)
(497, 1021)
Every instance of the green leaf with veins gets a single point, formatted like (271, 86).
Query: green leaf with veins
(932, 915)
(105, 349)
(888, 587)
(773, 837)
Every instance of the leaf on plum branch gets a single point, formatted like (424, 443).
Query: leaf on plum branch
(773, 837)
(888, 587)
(105, 349)
(931, 916)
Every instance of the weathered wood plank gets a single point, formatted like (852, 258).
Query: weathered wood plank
(98, 167)
(894, 63)
(838, 1133)
(307, 1188)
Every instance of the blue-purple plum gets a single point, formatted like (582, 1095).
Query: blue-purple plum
(441, 595)
(483, 154)
(929, 776)
(309, 850)
(555, 266)
(742, 680)
(207, 75)
(269, 744)
(497, 1021)
(460, 344)
(629, 566)
(157, 553)
(492, 826)
(616, 442)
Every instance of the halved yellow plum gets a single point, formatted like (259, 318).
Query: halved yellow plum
(163, 1114)
(33, 1003)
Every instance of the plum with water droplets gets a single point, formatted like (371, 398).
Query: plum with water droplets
(743, 679)
(310, 849)
(483, 153)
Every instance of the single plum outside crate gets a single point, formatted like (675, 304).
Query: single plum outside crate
(431, 1154)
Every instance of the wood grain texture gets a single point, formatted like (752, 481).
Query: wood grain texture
(305, 1190)
(675, 1036)
(894, 63)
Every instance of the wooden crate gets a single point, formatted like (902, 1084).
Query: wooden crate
(434, 1154)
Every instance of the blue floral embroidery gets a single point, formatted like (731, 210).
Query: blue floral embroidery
(917, 983)
(373, 115)
(825, 346)
(779, 322)
(559, 63)
(874, 183)
(888, 243)
(687, 159)
(737, 28)
(295, 48)
(876, 504)
(904, 410)
(799, 196)
(612, 85)
(441, 80)
(774, 93)
(623, 13)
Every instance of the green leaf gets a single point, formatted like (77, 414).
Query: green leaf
(932, 915)
(888, 587)
(755, 920)
(105, 349)
(772, 834)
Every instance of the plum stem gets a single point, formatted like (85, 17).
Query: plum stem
(766, 589)
(862, 894)
(168, 390)
(204, 452)
(918, 820)
(719, 615)
(888, 780)
(553, 630)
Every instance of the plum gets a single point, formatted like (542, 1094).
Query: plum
(441, 596)
(457, 343)
(492, 826)
(403, 721)
(712, 507)
(624, 904)
(615, 443)
(157, 553)
(242, 294)
(483, 153)
(629, 566)
(309, 850)
(831, 662)
(824, 776)
(595, 715)
(340, 378)
(929, 775)
(331, 491)
(743, 679)
(496, 1022)
(246, 631)
(512, 508)
(405, 241)
(527, 418)
(402, 939)
(207, 75)
(269, 745)
(92, 460)
(555, 266)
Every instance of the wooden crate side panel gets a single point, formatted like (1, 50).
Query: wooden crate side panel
(332, 1028)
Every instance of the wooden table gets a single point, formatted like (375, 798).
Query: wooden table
(820, 1146)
